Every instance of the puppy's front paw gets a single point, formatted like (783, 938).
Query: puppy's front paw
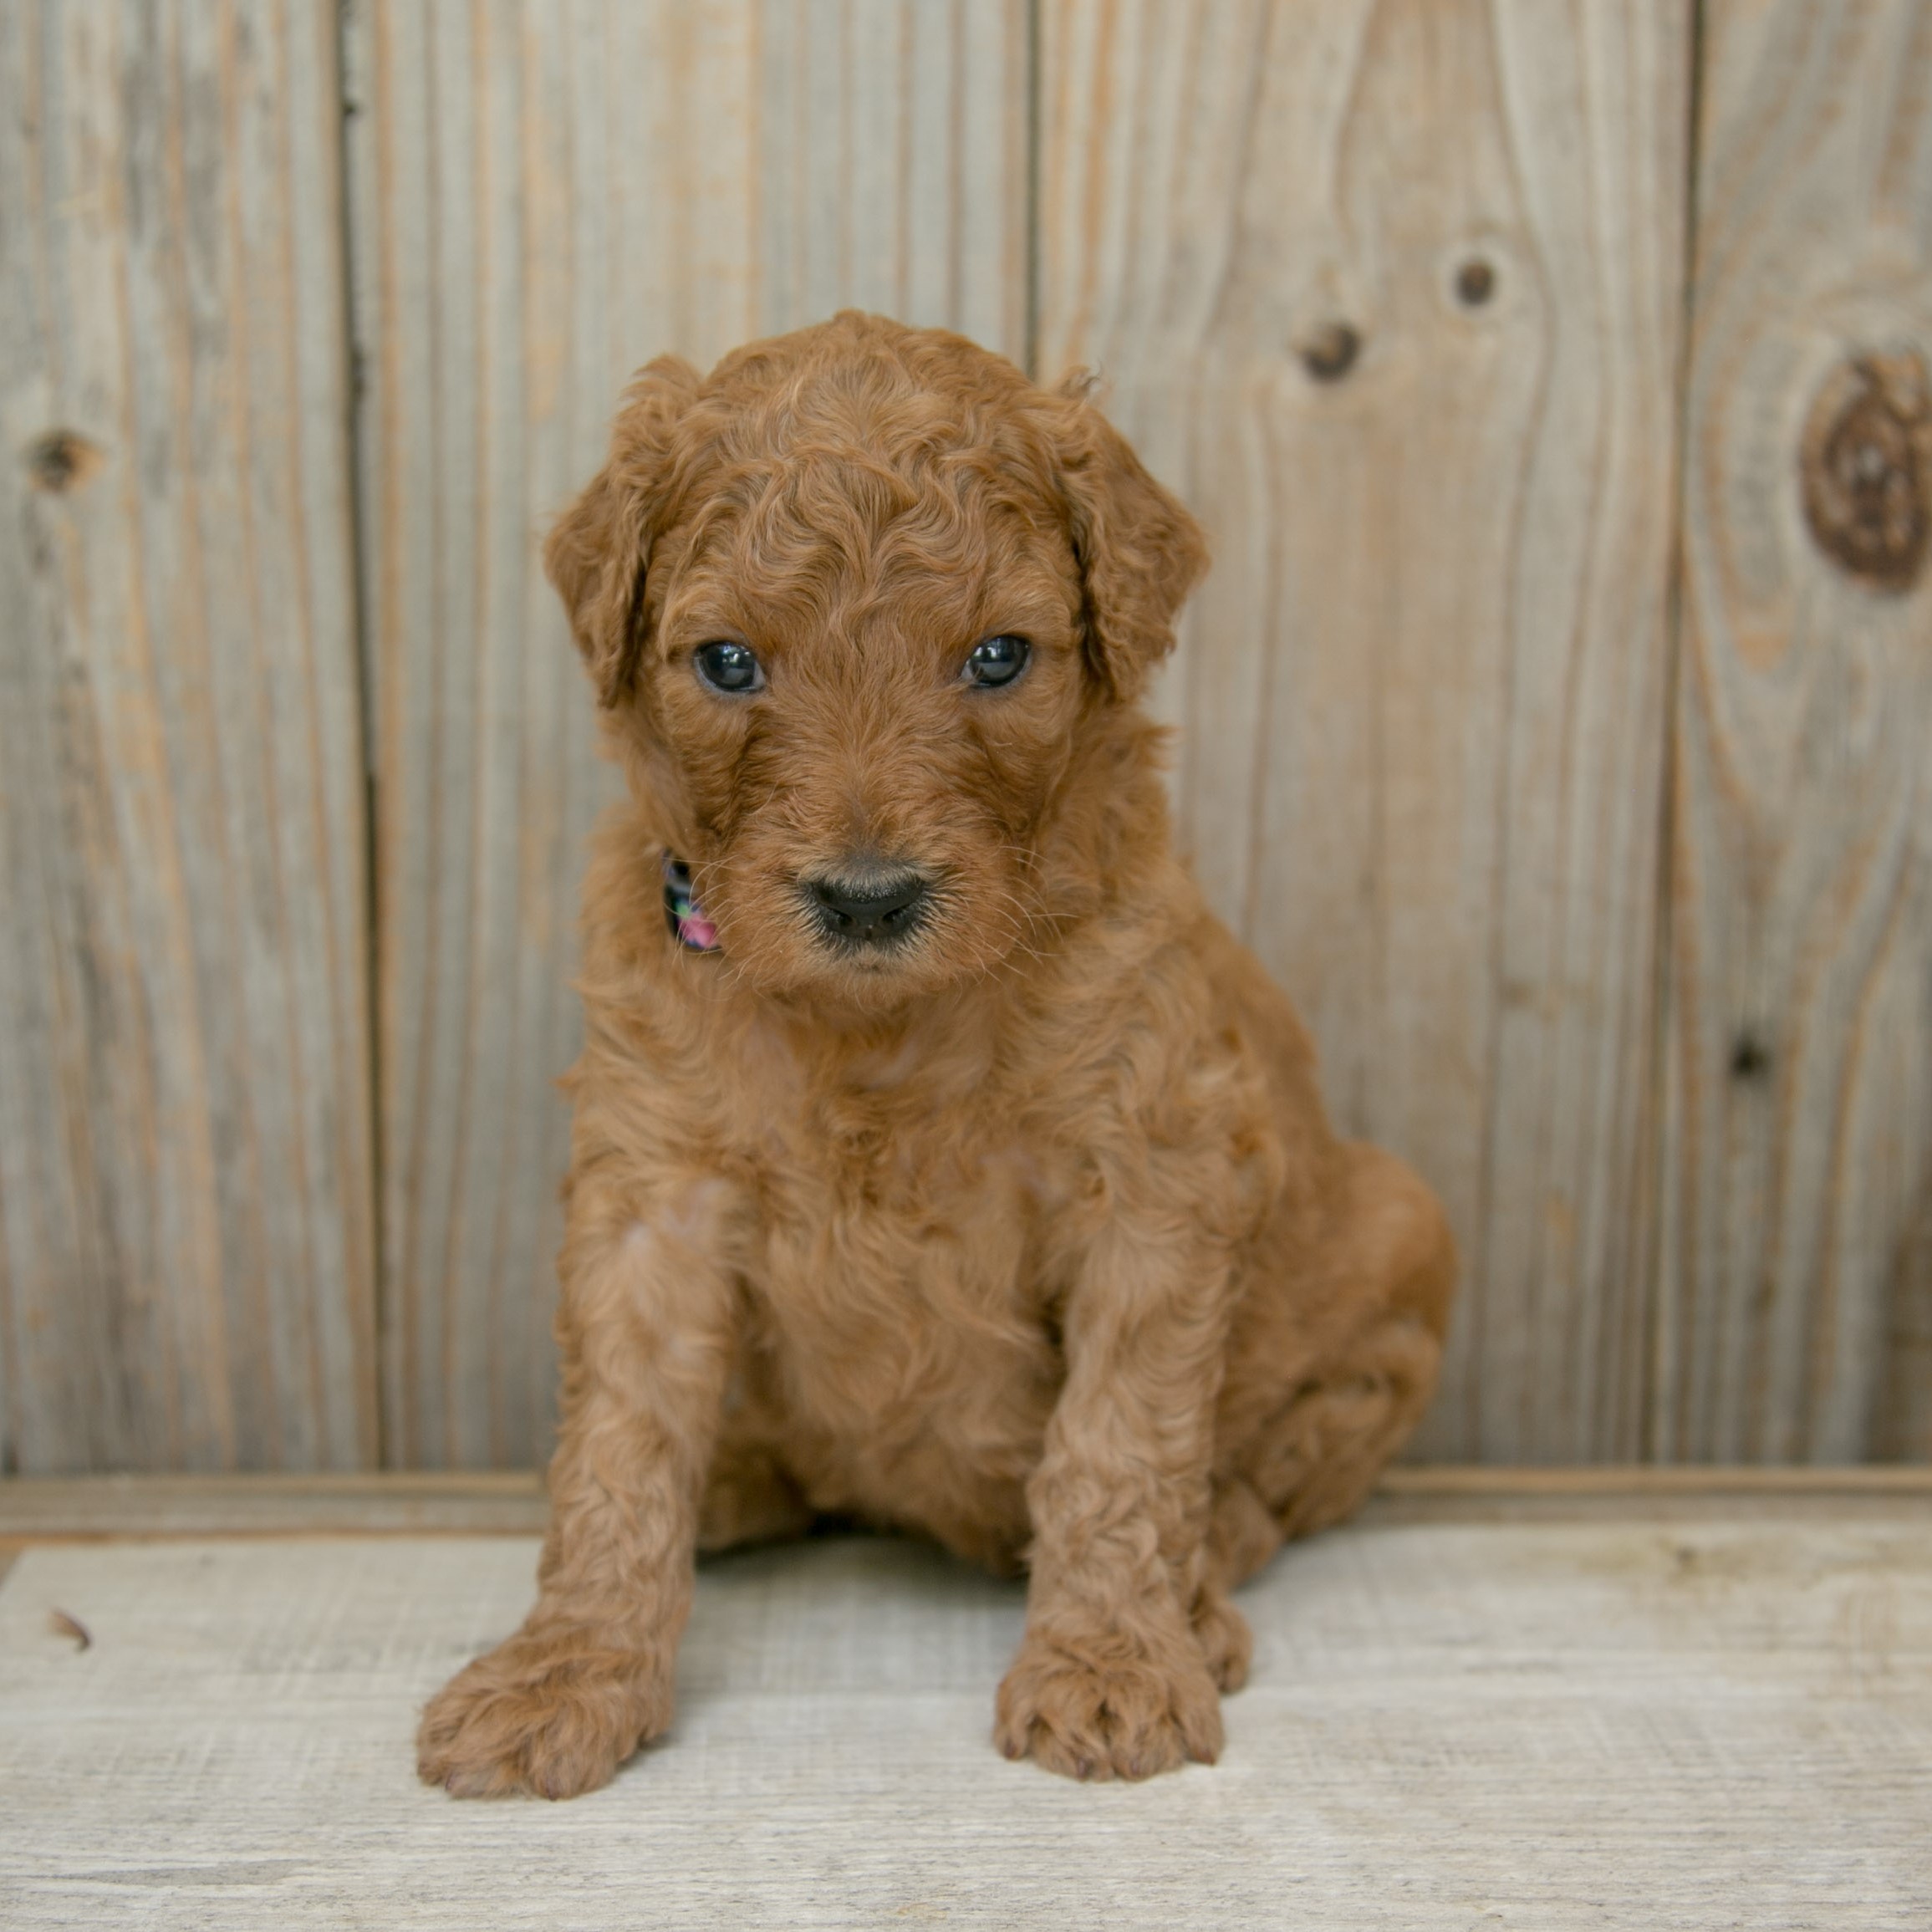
(1094, 1713)
(553, 1715)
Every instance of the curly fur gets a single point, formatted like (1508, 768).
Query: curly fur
(1030, 1234)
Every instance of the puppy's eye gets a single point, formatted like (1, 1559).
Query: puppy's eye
(996, 660)
(726, 665)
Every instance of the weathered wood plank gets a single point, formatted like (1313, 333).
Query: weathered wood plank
(441, 1502)
(1392, 293)
(545, 197)
(185, 1251)
(1594, 1726)
(891, 153)
(1798, 1148)
(470, 1503)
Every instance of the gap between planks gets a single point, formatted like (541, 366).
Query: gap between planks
(62, 1509)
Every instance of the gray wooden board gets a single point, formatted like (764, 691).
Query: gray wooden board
(1422, 695)
(186, 1214)
(1711, 1724)
(1794, 1298)
(471, 1502)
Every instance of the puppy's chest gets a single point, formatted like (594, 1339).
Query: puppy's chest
(907, 1264)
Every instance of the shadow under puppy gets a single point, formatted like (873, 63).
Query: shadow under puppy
(946, 1162)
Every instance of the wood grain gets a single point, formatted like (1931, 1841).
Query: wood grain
(545, 197)
(1600, 1726)
(1391, 291)
(1796, 1154)
(185, 1250)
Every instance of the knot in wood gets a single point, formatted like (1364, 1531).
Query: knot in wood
(1867, 447)
(1330, 352)
(1750, 1056)
(60, 460)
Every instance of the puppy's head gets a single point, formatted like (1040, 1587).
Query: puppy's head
(861, 604)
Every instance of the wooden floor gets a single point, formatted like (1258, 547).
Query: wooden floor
(1603, 1702)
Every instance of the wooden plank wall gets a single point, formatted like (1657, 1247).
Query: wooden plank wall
(187, 1266)
(1594, 839)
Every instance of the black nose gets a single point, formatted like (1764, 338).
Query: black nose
(848, 910)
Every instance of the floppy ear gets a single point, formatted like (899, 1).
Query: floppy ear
(1140, 551)
(598, 553)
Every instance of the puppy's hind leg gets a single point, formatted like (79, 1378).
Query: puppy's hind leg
(1329, 1374)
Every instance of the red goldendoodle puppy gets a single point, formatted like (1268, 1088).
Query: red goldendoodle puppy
(939, 1158)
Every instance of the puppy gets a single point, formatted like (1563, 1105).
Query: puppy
(938, 1158)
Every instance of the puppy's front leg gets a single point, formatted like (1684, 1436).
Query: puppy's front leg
(1111, 1679)
(645, 1331)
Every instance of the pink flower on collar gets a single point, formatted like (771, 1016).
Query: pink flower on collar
(683, 914)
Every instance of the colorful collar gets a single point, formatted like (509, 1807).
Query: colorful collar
(682, 913)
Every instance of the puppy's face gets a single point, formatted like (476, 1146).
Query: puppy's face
(857, 602)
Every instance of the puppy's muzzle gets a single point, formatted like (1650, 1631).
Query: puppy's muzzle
(869, 912)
